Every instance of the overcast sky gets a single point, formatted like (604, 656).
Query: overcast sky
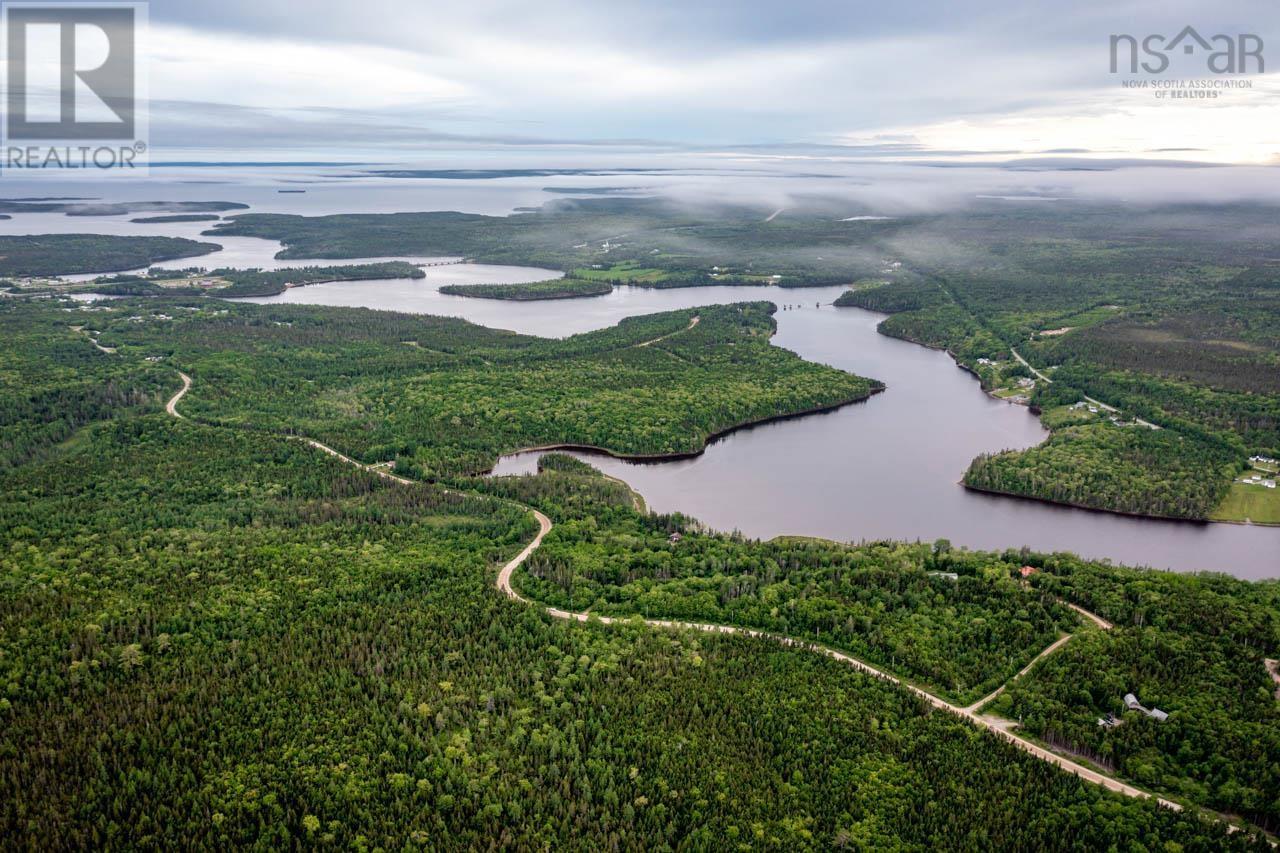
(912, 79)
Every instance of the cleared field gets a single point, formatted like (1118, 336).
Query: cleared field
(621, 272)
(1255, 503)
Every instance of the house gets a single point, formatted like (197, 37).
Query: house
(1028, 571)
(1131, 702)
(675, 538)
(1110, 721)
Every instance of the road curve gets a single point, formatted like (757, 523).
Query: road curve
(172, 406)
(1101, 405)
(381, 470)
(1092, 617)
(995, 725)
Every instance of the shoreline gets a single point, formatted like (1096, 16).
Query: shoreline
(677, 456)
(1067, 504)
(1124, 513)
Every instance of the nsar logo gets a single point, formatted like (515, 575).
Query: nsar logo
(1240, 54)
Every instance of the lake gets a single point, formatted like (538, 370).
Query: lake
(888, 468)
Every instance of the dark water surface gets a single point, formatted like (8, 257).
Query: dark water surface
(887, 468)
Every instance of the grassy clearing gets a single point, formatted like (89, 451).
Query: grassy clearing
(1254, 503)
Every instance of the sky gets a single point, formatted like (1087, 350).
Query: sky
(930, 80)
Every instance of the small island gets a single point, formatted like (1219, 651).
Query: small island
(556, 288)
(176, 217)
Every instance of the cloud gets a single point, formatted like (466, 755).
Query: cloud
(932, 75)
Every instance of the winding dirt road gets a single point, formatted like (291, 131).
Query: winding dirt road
(692, 323)
(380, 469)
(1101, 405)
(1057, 644)
(997, 726)
(172, 406)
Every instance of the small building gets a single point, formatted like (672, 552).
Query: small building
(675, 538)
(1131, 702)
(1028, 571)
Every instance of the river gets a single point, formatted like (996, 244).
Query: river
(888, 468)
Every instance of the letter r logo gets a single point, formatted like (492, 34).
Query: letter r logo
(71, 71)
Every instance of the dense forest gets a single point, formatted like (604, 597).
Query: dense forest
(218, 637)
(271, 282)
(53, 382)
(445, 397)
(959, 623)
(1134, 470)
(1192, 646)
(213, 635)
(892, 604)
(66, 254)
